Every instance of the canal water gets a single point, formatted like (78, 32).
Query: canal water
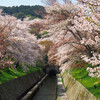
(48, 89)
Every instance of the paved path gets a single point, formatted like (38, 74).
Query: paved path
(47, 90)
(60, 89)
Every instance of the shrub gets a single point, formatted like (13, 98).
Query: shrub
(47, 45)
(45, 33)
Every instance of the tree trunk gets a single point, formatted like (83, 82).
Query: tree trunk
(88, 48)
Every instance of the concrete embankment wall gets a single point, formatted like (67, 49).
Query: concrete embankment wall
(75, 90)
(14, 89)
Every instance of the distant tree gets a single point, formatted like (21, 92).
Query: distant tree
(53, 2)
(18, 11)
(20, 15)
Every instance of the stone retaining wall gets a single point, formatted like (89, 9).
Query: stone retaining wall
(14, 89)
(75, 90)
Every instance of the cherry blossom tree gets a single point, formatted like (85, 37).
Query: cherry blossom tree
(93, 10)
(5, 30)
(82, 21)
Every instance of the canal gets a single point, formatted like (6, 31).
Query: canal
(48, 89)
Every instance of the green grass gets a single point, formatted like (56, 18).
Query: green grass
(45, 33)
(9, 73)
(81, 75)
(62, 81)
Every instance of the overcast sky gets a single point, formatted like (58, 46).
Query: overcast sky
(20, 2)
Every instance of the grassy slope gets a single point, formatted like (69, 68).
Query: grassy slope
(9, 73)
(81, 75)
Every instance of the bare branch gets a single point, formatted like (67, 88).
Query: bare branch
(49, 2)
